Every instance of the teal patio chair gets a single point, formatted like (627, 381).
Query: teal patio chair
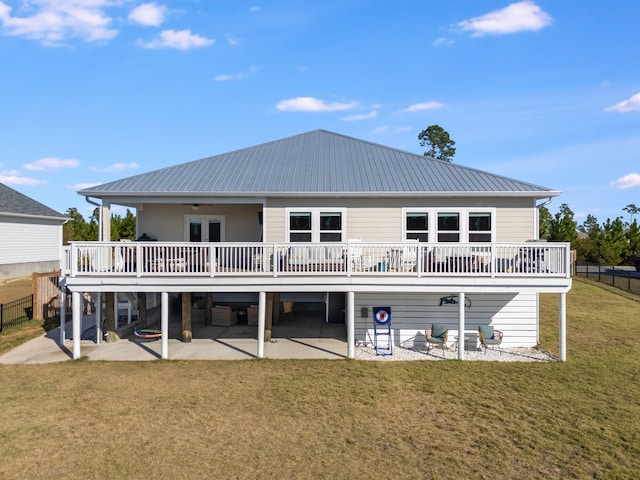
(490, 338)
(437, 335)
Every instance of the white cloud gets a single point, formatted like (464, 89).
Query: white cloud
(180, 40)
(517, 17)
(418, 107)
(150, 14)
(82, 186)
(442, 41)
(631, 105)
(631, 180)
(361, 116)
(116, 167)
(52, 163)
(226, 77)
(13, 177)
(310, 104)
(52, 22)
(255, 9)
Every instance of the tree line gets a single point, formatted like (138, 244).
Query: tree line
(79, 229)
(612, 242)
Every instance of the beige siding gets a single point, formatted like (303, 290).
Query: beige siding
(513, 314)
(380, 220)
(516, 221)
(167, 222)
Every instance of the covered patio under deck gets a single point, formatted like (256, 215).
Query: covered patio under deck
(257, 345)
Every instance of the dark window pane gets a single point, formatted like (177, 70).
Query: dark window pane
(479, 237)
(448, 221)
(300, 237)
(448, 237)
(417, 221)
(479, 222)
(300, 221)
(214, 232)
(330, 237)
(330, 221)
(195, 232)
(421, 237)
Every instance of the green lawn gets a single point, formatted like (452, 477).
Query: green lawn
(341, 419)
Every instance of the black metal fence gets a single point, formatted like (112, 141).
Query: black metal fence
(625, 278)
(16, 313)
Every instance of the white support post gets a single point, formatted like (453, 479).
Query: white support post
(115, 308)
(98, 313)
(63, 312)
(105, 219)
(351, 340)
(76, 309)
(262, 301)
(461, 342)
(563, 327)
(164, 324)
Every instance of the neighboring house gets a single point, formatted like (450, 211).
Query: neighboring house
(30, 235)
(325, 217)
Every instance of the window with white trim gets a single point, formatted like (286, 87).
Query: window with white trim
(300, 227)
(417, 226)
(450, 225)
(316, 225)
(330, 227)
(479, 227)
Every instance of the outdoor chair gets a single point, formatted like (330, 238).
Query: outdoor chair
(489, 337)
(287, 311)
(437, 335)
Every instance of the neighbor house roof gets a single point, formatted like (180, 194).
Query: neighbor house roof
(15, 204)
(318, 163)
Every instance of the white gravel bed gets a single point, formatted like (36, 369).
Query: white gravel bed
(367, 352)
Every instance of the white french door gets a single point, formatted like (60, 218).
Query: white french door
(204, 228)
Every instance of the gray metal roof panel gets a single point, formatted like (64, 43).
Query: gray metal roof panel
(319, 162)
(15, 203)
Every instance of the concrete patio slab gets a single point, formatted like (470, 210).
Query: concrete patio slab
(305, 337)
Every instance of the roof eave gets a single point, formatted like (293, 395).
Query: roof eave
(38, 217)
(532, 193)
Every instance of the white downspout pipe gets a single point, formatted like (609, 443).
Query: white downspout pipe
(96, 204)
(537, 236)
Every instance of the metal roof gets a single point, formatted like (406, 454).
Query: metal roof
(14, 203)
(317, 163)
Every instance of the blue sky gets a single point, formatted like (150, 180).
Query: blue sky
(546, 91)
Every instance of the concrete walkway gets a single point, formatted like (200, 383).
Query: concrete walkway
(301, 338)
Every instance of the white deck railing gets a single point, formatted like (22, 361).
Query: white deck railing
(145, 259)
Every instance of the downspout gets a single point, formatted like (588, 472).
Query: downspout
(537, 236)
(88, 200)
(537, 219)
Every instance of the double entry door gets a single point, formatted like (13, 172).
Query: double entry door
(204, 228)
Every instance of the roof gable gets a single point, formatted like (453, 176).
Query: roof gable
(317, 163)
(15, 203)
